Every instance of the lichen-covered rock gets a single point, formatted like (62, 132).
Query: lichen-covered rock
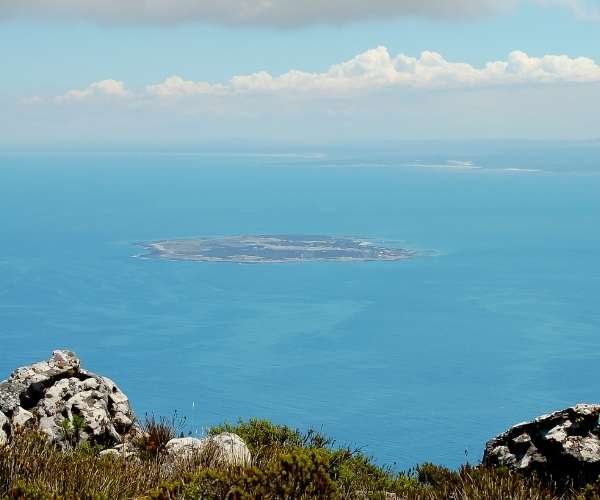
(224, 449)
(22, 419)
(70, 405)
(4, 427)
(564, 445)
(232, 449)
(27, 384)
(185, 447)
(9, 396)
(122, 414)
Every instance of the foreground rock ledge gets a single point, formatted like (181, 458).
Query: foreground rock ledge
(563, 445)
(72, 406)
(50, 395)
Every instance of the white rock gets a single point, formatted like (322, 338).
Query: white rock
(22, 418)
(48, 426)
(124, 450)
(584, 449)
(122, 413)
(233, 449)
(71, 396)
(9, 396)
(47, 393)
(185, 447)
(93, 407)
(64, 360)
(61, 362)
(115, 394)
(225, 448)
(91, 384)
(558, 433)
(110, 453)
(4, 423)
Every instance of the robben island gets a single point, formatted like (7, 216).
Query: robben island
(289, 248)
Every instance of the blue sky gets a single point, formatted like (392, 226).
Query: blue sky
(43, 58)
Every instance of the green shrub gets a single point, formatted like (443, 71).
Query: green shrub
(71, 429)
(293, 475)
(290, 465)
(31, 491)
(262, 435)
(434, 475)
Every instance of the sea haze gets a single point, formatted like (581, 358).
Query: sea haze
(496, 320)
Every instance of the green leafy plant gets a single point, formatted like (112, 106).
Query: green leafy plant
(71, 429)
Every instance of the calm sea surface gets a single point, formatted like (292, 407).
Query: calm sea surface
(497, 322)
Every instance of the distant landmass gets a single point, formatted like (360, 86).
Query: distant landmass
(279, 248)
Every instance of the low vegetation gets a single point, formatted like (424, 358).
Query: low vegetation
(287, 464)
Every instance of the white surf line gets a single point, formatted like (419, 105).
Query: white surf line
(458, 166)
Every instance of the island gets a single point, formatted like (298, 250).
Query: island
(276, 248)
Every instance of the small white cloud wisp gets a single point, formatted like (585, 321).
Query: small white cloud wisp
(373, 70)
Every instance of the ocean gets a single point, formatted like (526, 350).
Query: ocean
(497, 319)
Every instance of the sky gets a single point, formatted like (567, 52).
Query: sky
(108, 72)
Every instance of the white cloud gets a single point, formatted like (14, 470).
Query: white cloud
(177, 86)
(245, 12)
(110, 88)
(370, 71)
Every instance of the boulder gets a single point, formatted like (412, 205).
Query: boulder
(564, 445)
(222, 449)
(185, 447)
(67, 403)
(232, 449)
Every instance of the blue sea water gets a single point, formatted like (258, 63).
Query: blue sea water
(497, 321)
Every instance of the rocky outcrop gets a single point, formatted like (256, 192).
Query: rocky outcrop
(72, 406)
(67, 403)
(564, 445)
(221, 449)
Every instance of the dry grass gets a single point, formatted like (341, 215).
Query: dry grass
(156, 433)
(30, 460)
(287, 464)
